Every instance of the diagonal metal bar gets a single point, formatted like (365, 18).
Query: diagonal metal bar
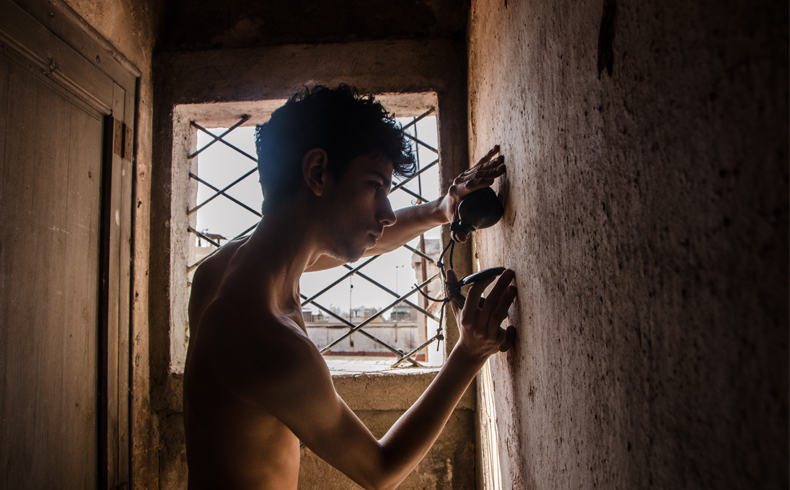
(393, 293)
(420, 142)
(226, 143)
(254, 159)
(256, 213)
(216, 138)
(368, 335)
(378, 314)
(338, 281)
(204, 237)
(392, 349)
(414, 351)
(411, 192)
(221, 191)
(418, 119)
(418, 252)
(401, 184)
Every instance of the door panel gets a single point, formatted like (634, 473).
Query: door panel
(49, 263)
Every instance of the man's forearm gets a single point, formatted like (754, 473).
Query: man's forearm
(407, 442)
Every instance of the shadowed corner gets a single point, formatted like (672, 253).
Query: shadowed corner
(503, 193)
(606, 38)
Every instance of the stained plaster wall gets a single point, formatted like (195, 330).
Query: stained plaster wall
(647, 213)
(263, 73)
(130, 27)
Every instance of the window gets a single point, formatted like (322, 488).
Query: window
(365, 313)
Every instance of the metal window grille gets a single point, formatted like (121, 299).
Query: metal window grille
(410, 298)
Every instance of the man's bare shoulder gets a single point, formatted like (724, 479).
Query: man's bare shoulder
(254, 352)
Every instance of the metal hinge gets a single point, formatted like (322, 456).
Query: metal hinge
(123, 140)
(128, 143)
(118, 138)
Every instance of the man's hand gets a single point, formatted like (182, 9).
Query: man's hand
(481, 175)
(481, 334)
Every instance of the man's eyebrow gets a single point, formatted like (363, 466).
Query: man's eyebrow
(387, 182)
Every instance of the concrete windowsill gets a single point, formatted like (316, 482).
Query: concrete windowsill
(363, 388)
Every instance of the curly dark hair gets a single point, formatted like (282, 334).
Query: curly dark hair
(341, 122)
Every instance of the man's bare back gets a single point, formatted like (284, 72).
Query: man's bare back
(235, 442)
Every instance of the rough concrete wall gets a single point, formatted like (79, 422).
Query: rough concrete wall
(130, 26)
(647, 221)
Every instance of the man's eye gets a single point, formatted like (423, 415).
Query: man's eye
(376, 185)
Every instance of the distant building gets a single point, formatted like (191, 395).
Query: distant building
(403, 313)
(363, 312)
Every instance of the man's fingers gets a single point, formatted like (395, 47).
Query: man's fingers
(459, 236)
(478, 177)
(492, 164)
(451, 279)
(476, 291)
(500, 310)
(508, 338)
(493, 151)
(499, 289)
(493, 168)
(474, 184)
(456, 306)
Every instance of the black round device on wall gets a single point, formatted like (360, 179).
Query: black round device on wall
(479, 209)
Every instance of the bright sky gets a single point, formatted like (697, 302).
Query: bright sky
(221, 165)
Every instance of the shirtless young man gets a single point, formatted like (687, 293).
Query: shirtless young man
(255, 385)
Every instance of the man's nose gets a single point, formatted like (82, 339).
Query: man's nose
(385, 215)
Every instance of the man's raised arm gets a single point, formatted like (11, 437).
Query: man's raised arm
(413, 221)
(307, 403)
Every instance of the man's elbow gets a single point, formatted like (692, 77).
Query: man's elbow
(382, 476)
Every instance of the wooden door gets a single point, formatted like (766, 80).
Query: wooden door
(64, 213)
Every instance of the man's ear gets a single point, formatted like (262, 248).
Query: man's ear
(314, 170)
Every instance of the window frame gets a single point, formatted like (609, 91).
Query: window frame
(184, 189)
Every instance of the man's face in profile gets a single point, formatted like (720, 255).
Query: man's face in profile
(358, 206)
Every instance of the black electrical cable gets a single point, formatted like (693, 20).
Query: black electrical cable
(451, 247)
(443, 301)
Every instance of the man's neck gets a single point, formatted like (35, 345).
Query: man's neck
(279, 250)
